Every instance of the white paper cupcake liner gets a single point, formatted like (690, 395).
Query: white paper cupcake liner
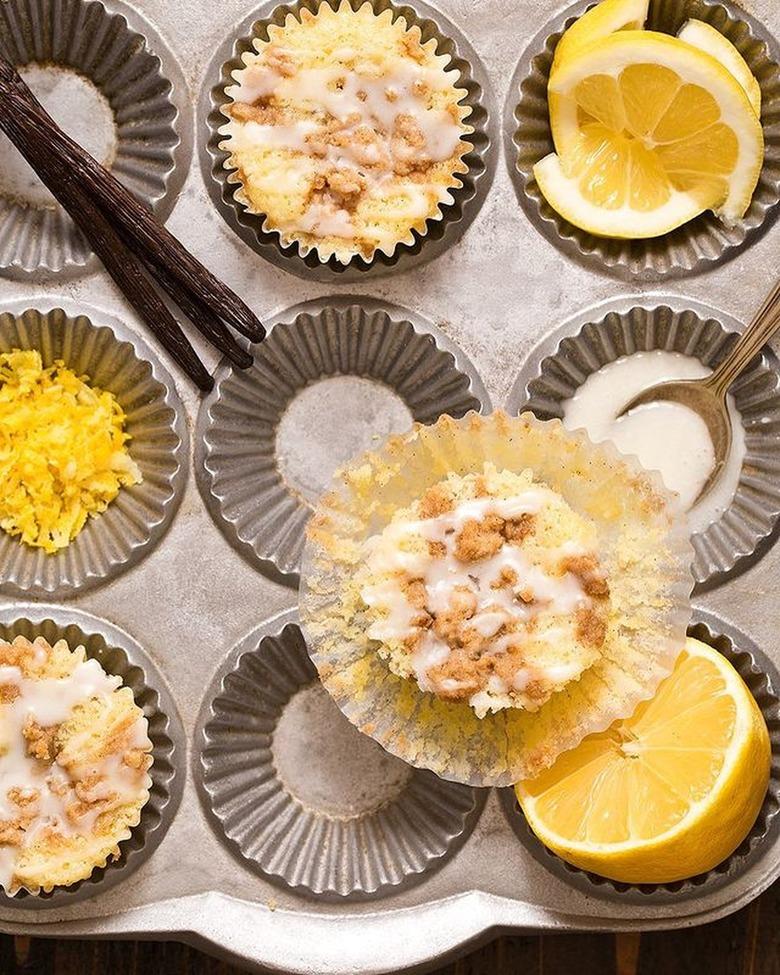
(120, 655)
(649, 596)
(763, 680)
(116, 49)
(116, 359)
(441, 233)
(702, 242)
(237, 463)
(563, 360)
(394, 826)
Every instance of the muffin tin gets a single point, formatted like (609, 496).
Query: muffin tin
(218, 630)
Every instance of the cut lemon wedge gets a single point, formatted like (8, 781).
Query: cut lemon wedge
(708, 39)
(600, 21)
(666, 794)
(661, 132)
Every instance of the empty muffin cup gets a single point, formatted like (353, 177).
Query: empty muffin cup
(304, 798)
(104, 73)
(333, 377)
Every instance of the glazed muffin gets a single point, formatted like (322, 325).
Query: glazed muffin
(479, 595)
(489, 590)
(74, 765)
(346, 132)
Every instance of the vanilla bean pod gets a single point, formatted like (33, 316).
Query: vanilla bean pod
(201, 316)
(26, 117)
(120, 263)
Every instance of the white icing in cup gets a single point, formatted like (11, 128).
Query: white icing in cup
(666, 437)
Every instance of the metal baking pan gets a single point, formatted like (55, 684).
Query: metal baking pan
(199, 612)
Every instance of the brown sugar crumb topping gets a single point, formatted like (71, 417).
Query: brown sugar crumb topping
(587, 569)
(41, 742)
(436, 501)
(591, 627)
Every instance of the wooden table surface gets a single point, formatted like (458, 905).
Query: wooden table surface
(746, 943)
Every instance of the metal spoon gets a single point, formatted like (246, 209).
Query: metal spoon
(708, 396)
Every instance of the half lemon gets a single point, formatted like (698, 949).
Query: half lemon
(666, 794)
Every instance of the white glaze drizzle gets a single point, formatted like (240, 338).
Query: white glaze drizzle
(553, 595)
(358, 102)
(49, 702)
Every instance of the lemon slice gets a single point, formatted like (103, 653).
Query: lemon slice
(600, 21)
(663, 132)
(667, 793)
(708, 39)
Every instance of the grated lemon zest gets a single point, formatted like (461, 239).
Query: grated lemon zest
(63, 450)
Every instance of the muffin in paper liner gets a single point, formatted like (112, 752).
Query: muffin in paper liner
(119, 655)
(457, 208)
(643, 547)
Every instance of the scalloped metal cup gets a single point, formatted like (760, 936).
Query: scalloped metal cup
(118, 52)
(95, 344)
(441, 233)
(118, 654)
(702, 242)
(763, 680)
(407, 370)
(303, 797)
(563, 361)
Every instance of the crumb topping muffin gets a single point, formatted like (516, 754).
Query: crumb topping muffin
(489, 589)
(346, 131)
(74, 761)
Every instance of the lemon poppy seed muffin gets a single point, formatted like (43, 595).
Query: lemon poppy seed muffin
(74, 761)
(345, 131)
(489, 590)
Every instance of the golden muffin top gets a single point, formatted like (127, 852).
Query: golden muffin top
(346, 131)
(488, 590)
(74, 760)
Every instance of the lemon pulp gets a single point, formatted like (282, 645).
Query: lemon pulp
(651, 131)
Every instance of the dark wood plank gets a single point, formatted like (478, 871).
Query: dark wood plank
(583, 954)
(725, 947)
(746, 943)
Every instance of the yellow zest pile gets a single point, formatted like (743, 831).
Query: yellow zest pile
(63, 453)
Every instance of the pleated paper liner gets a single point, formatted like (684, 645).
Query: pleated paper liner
(95, 344)
(119, 654)
(441, 232)
(634, 517)
(695, 246)
(304, 798)
(763, 680)
(113, 49)
(580, 347)
(261, 463)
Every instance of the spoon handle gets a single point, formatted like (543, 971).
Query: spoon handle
(765, 323)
